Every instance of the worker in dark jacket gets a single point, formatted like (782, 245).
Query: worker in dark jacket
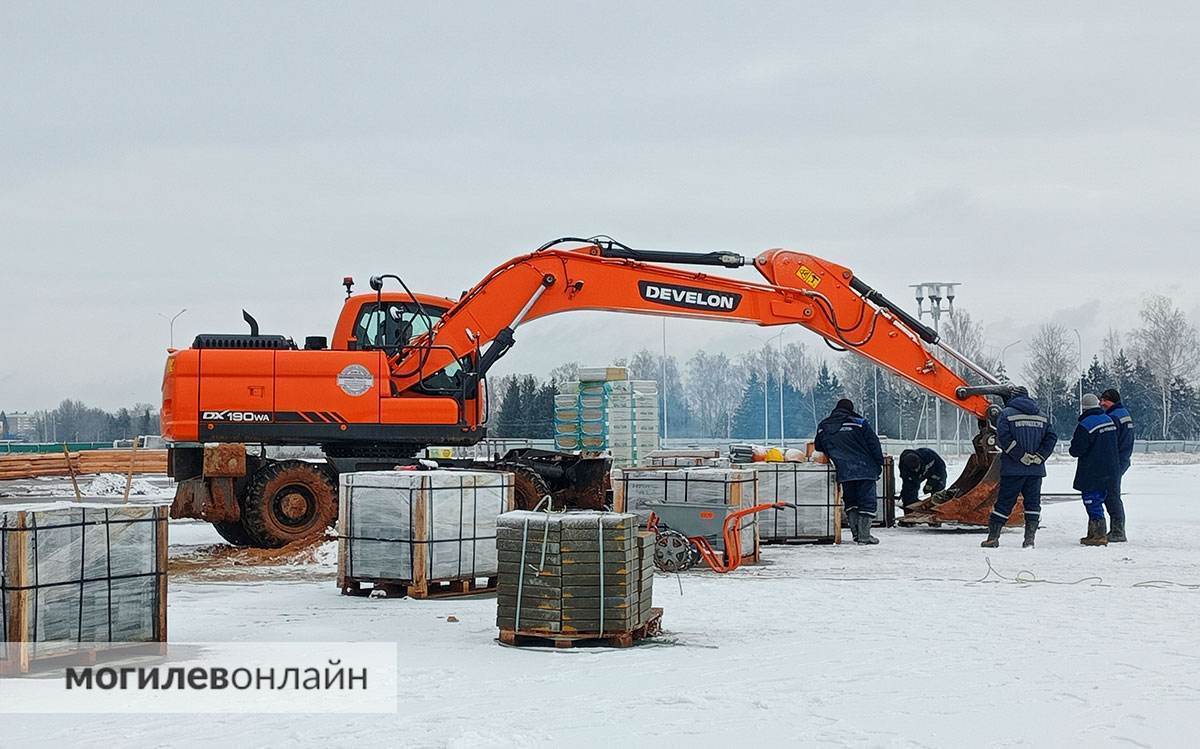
(853, 446)
(1095, 445)
(921, 464)
(1025, 441)
(1110, 401)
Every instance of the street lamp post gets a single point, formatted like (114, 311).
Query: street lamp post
(1079, 339)
(1004, 350)
(766, 393)
(171, 321)
(664, 382)
(937, 291)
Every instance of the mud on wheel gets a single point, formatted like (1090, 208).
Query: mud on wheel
(529, 487)
(288, 501)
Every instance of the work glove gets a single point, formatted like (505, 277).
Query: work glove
(1031, 459)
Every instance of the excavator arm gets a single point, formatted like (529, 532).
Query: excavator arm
(801, 289)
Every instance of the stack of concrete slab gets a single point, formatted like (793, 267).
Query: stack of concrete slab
(686, 458)
(693, 501)
(812, 489)
(573, 573)
(415, 528)
(615, 414)
(80, 572)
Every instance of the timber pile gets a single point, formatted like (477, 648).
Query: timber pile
(570, 577)
(422, 534)
(33, 465)
(76, 578)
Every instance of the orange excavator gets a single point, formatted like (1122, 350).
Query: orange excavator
(406, 371)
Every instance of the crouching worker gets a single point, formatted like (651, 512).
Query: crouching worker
(920, 465)
(1095, 445)
(1025, 441)
(853, 446)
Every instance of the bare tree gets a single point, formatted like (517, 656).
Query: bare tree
(714, 387)
(1168, 343)
(565, 372)
(1050, 369)
(967, 337)
(799, 366)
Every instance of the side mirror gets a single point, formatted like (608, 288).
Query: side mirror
(376, 283)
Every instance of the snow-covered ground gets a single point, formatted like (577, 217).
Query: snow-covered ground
(923, 640)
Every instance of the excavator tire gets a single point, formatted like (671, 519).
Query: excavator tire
(234, 533)
(288, 501)
(529, 488)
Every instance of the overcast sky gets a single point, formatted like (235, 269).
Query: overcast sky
(215, 156)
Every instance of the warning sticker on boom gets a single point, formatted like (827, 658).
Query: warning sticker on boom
(808, 276)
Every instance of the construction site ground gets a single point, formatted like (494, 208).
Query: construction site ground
(923, 640)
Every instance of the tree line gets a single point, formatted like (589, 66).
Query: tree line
(1155, 365)
(75, 421)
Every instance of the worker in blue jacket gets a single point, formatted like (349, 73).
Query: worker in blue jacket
(857, 456)
(1026, 441)
(1095, 445)
(1110, 401)
(920, 465)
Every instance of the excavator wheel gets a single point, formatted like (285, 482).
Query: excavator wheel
(288, 501)
(530, 487)
(234, 533)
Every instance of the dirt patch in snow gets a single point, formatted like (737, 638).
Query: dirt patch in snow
(314, 559)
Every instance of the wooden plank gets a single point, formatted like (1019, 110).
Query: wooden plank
(420, 534)
(837, 514)
(18, 551)
(343, 533)
(129, 476)
(160, 553)
(71, 471)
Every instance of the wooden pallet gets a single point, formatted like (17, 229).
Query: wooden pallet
(536, 638)
(22, 661)
(421, 590)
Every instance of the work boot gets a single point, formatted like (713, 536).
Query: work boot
(1031, 526)
(864, 537)
(852, 521)
(1117, 534)
(1096, 533)
(995, 525)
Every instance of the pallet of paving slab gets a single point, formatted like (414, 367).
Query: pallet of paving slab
(468, 586)
(22, 660)
(537, 638)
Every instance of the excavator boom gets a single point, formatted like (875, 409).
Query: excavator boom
(800, 289)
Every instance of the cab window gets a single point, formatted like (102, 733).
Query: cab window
(376, 326)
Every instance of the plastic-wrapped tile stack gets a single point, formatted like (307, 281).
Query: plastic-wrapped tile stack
(416, 526)
(686, 458)
(604, 410)
(573, 573)
(811, 487)
(693, 501)
(75, 573)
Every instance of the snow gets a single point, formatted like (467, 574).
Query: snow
(923, 640)
(113, 485)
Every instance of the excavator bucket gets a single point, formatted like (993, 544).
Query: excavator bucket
(577, 481)
(969, 500)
